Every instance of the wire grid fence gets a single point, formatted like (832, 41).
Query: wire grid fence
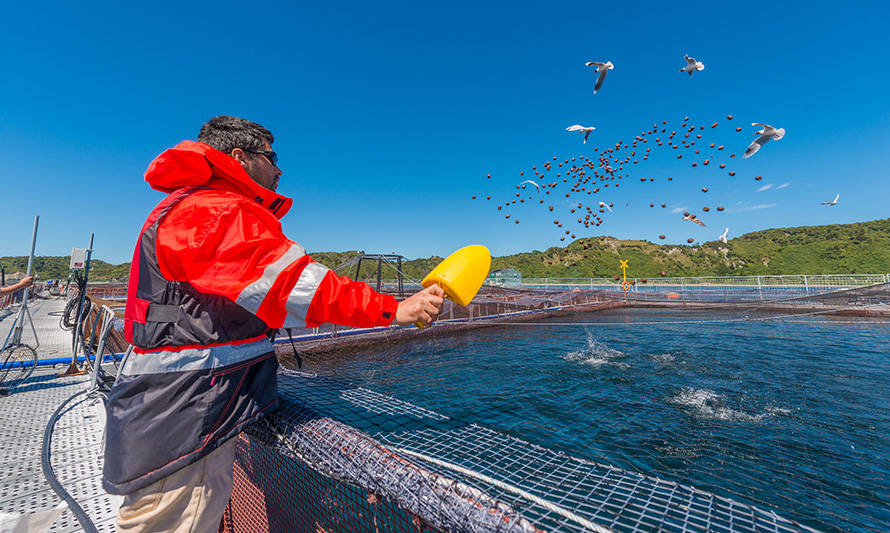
(796, 294)
(716, 288)
(489, 303)
(335, 457)
(102, 330)
(8, 300)
(107, 290)
(541, 293)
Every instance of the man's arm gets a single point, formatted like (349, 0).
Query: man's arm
(25, 283)
(237, 250)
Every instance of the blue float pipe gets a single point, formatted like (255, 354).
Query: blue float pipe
(60, 360)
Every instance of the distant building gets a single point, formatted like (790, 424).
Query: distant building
(505, 277)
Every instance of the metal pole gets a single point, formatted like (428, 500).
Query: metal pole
(20, 324)
(379, 271)
(401, 291)
(31, 258)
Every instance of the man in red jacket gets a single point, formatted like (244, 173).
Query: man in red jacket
(212, 275)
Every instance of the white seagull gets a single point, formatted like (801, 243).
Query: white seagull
(833, 202)
(723, 235)
(692, 65)
(533, 183)
(585, 129)
(693, 218)
(767, 134)
(602, 68)
(604, 204)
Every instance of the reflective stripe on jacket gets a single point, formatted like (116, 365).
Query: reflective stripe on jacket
(212, 273)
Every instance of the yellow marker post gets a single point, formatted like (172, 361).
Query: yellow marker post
(460, 275)
(625, 286)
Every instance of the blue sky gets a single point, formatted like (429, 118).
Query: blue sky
(387, 118)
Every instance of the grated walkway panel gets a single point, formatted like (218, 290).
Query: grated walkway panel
(54, 341)
(77, 438)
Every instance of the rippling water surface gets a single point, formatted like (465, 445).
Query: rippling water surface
(791, 414)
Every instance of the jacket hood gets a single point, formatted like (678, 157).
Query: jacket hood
(191, 163)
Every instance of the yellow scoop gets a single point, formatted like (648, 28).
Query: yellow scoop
(460, 275)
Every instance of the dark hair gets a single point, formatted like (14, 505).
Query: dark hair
(225, 133)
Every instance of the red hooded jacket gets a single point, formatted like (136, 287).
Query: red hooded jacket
(212, 273)
(227, 240)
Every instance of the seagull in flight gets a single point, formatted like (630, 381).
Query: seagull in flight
(533, 183)
(602, 68)
(692, 65)
(767, 134)
(833, 202)
(723, 235)
(585, 129)
(693, 218)
(604, 204)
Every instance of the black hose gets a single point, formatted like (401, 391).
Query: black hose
(65, 321)
(68, 319)
(50, 476)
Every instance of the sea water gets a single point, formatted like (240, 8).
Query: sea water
(782, 412)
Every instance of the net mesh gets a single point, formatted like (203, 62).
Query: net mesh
(335, 457)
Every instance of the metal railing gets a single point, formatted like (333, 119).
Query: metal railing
(717, 288)
(805, 281)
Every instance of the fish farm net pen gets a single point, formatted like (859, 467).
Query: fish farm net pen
(340, 456)
(335, 457)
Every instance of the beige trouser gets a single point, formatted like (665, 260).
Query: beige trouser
(190, 500)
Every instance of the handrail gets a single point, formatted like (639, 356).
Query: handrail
(107, 317)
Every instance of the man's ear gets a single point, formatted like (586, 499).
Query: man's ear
(239, 156)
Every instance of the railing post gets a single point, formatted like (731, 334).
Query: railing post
(759, 289)
(806, 286)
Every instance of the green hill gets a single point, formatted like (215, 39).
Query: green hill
(860, 248)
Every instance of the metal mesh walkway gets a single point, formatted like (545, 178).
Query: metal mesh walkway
(76, 451)
(54, 342)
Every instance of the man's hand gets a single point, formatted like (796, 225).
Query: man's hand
(27, 282)
(424, 306)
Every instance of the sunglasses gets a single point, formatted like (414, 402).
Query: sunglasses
(270, 155)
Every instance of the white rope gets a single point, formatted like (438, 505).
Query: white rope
(510, 488)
